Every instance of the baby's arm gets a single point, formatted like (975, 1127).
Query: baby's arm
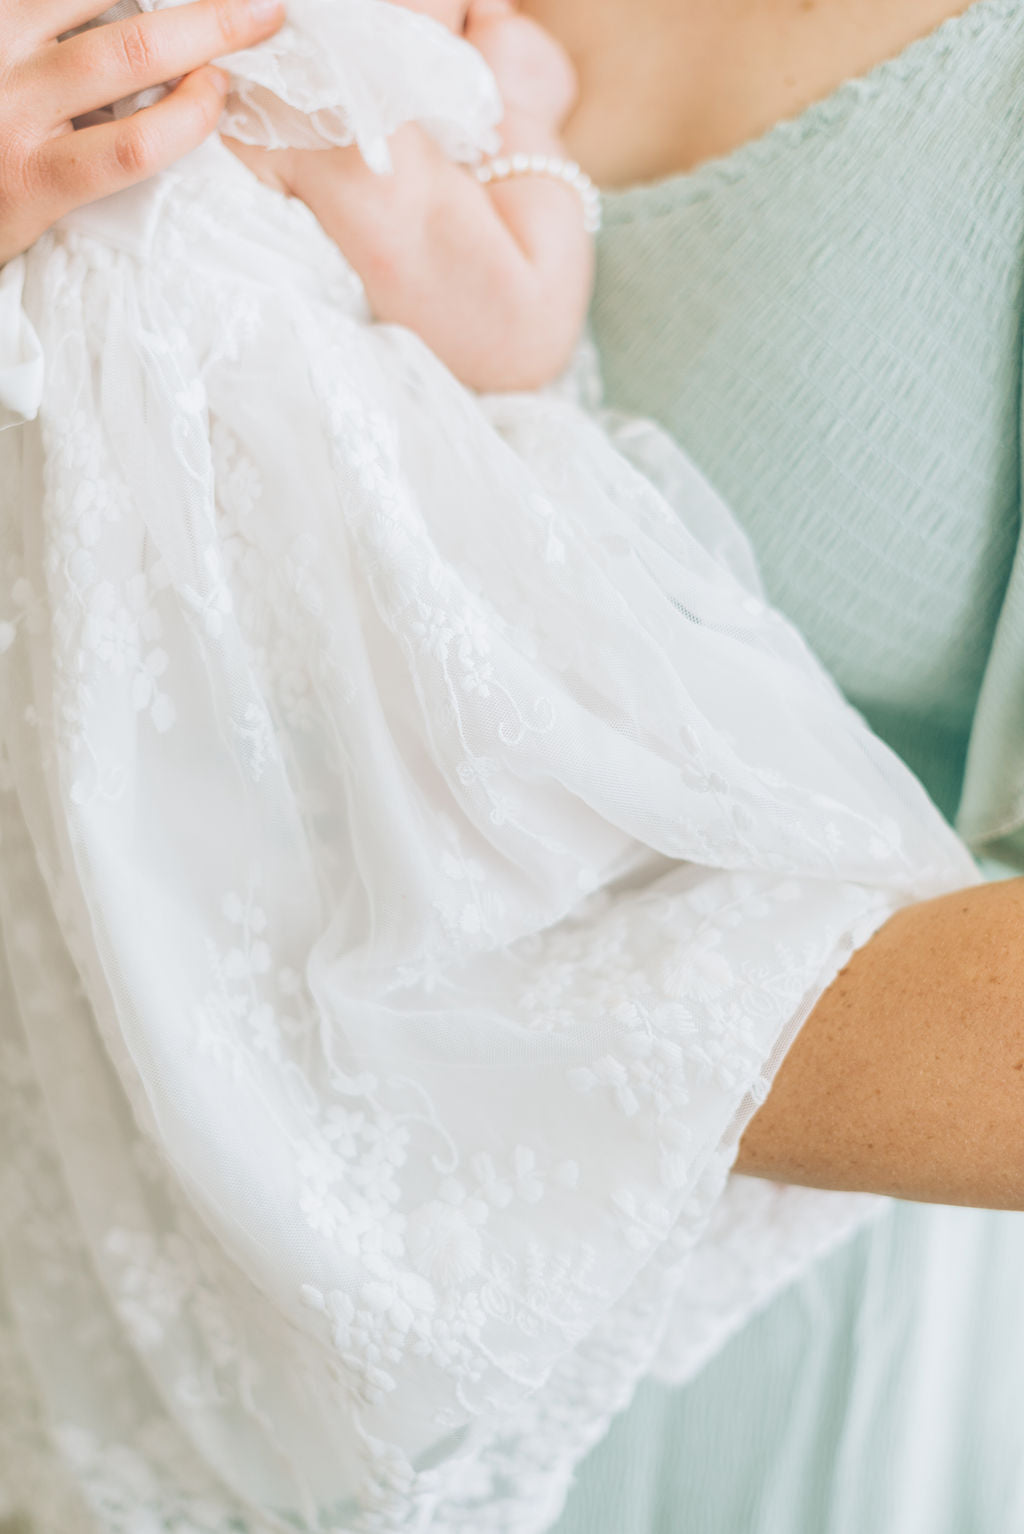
(496, 279)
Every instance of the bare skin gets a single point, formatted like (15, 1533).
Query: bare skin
(908, 1078)
(666, 84)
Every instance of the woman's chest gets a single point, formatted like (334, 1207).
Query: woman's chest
(668, 84)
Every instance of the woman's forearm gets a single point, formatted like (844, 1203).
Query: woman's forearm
(908, 1078)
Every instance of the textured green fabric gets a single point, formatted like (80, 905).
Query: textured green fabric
(882, 1395)
(830, 322)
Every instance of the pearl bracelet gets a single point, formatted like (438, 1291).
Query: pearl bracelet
(507, 167)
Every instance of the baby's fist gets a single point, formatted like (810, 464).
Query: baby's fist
(534, 73)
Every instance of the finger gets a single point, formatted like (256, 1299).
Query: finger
(97, 67)
(29, 24)
(484, 16)
(45, 20)
(78, 168)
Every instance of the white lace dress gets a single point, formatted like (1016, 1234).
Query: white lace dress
(420, 845)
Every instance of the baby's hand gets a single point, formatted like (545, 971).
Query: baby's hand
(535, 75)
(495, 279)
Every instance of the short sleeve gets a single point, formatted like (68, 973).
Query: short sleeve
(21, 356)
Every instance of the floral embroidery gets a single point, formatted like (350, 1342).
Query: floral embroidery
(418, 852)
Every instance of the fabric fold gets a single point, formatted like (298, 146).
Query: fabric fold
(423, 843)
(351, 73)
(21, 355)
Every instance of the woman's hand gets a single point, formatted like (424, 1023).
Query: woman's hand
(47, 167)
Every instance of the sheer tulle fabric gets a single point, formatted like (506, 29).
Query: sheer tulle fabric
(421, 844)
(345, 72)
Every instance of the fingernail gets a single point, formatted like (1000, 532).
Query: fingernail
(220, 78)
(264, 12)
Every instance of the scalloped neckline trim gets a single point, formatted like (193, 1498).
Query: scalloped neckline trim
(685, 186)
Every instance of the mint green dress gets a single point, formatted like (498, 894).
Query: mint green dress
(830, 321)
